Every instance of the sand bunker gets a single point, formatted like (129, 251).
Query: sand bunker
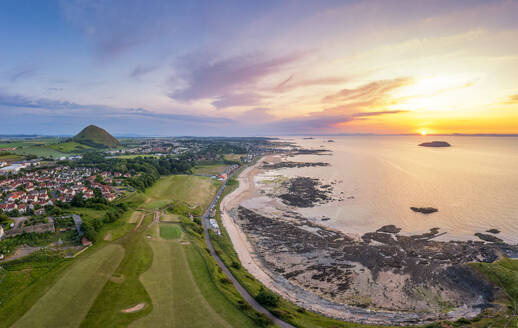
(135, 308)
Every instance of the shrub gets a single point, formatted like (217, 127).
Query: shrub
(267, 298)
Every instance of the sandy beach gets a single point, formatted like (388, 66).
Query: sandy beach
(253, 254)
(277, 283)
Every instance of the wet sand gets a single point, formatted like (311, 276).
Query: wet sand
(252, 252)
(253, 264)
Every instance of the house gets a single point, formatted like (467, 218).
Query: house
(85, 242)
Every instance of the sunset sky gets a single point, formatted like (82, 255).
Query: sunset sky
(259, 67)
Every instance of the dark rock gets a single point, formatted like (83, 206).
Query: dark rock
(389, 229)
(493, 231)
(305, 192)
(488, 238)
(435, 144)
(291, 165)
(424, 210)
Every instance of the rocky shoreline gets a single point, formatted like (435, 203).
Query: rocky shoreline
(381, 277)
(414, 277)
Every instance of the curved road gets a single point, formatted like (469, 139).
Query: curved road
(244, 293)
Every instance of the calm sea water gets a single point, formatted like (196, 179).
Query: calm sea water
(474, 184)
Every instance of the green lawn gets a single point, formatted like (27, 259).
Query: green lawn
(193, 190)
(70, 298)
(209, 169)
(170, 231)
(126, 290)
(182, 291)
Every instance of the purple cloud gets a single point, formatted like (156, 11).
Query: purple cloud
(22, 72)
(224, 77)
(368, 92)
(240, 99)
(141, 70)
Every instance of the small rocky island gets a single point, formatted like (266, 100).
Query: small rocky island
(424, 210)
(435, 144)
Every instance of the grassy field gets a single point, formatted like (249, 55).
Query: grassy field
(126, 289)
(69, 147)
(40, 151)
(169, 217)
(170, 231)
(10, 157)
(193, 190)
(182, 290)
(209, 169)
(26, 280)
(233, 157)
(68, 301)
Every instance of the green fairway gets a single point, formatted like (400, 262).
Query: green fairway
(181, 299)
(170, 231)
(68, 301)
(124, 289)
(194, 190)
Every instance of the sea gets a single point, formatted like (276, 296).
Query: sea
(473, 184)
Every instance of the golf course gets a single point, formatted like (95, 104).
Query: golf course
(149, 270)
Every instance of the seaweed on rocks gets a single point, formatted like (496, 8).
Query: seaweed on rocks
(289, 164)
(305, 192)
(332, 264)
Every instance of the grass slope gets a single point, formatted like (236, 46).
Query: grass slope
(194, 190)
(96, 137)
(69, 147)
(68, 301)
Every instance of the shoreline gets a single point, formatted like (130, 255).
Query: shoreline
(294, 294)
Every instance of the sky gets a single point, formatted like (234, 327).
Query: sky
(242, 68)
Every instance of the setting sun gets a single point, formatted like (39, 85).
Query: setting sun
(423, 132)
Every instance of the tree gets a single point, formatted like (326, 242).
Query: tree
(78, 200)
(267, 298)
(89, 231)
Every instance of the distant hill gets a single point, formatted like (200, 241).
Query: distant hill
(96, 137)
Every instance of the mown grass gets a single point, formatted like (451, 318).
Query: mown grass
(69, 299)
(127, 290)
(209, 169)
(25, 280)
(170, 231)
(194, 190)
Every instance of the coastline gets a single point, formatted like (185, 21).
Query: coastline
(294, 294)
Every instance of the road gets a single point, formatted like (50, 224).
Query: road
(244, 293)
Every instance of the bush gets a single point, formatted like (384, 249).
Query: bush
(236, 265)
(267, 298)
